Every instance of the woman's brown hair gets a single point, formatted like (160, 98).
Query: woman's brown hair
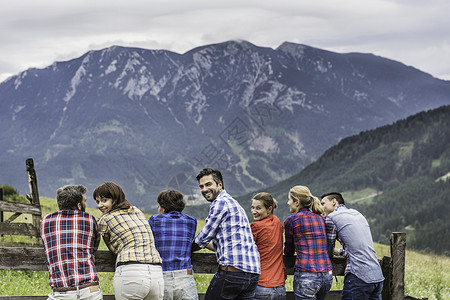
(113, 191)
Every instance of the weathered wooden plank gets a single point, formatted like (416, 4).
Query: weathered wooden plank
(386, 267)
(13, 217)
(23, 208)
(398, 246)
(18, 229)
(23, 258)
(34, 194)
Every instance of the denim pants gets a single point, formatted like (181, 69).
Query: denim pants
(88, 293)
(270, 293)
(356, 289)
(312, 286)
(138, 281)
(232, 285)
(179, 285)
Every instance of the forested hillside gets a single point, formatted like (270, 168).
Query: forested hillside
(401, 169)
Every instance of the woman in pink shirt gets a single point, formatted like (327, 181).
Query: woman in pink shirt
(268, 234)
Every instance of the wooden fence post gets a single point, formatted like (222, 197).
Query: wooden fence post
(398, 245)
(34, 194)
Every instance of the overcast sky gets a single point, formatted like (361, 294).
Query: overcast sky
(35, 33)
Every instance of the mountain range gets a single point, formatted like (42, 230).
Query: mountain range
(397, 175)
(151, 119)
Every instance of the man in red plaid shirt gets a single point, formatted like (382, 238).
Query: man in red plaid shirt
(70, 237)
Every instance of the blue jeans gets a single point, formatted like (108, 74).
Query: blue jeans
(355, 288)
(232, 285)
(270, 293)
(312, 286)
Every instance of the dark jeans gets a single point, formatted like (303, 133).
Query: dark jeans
(270, 293)
(232, 285)
(356, 289)
(312, 286)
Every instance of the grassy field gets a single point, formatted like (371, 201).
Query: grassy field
(426, 275)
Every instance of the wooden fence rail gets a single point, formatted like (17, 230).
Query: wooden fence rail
(23, 258)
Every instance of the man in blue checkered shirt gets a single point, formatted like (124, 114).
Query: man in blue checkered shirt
(227, 232)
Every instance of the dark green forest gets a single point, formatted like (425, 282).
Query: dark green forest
(407, 163)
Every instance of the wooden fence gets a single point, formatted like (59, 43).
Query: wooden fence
(28, 258)
(23, 258)
(7, 227)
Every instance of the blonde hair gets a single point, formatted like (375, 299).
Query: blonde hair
(267, 200)
(303, 196)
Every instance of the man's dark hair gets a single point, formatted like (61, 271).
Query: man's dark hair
(217, 176)
(334, 195)
(69, 196)
(171, 200)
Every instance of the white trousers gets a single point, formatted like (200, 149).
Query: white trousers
(138, 281)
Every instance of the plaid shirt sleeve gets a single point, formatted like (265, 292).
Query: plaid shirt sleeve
(331, 230)
(289, 248)
(212, 224)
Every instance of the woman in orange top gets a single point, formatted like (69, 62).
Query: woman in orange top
(268, 234)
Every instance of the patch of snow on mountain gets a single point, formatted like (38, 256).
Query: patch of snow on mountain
(298, 148)
(294, 50)
(74, 83)
(137, 87)
(360, 96)
(128, 70)
(16, 110)
(322, 66)
(270, 96)
(293, 97)
(196, 106)
(156, 87)
(18, 80)
(175, 117)
(111, 68)
(265, 144)
(202, 61)
(397, 100)
(255, 78)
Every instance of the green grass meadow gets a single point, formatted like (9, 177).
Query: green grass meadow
(425, 275)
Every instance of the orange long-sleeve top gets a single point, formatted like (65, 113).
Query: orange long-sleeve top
(268, 235)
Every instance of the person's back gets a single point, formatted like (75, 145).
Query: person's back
(129, 236)
(70, 237)
(363, 276)
(305, 234)
(307, 230)
(62, 232)
(354, 232)
(174, 233)
(268, 235)
(126, 232)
